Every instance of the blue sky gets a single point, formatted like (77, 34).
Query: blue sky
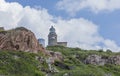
(109, 22)
(105, 18)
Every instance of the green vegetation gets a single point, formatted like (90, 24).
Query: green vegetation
(17, 63)
(14, 63)
(73, 57)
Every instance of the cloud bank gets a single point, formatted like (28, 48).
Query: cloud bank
(74, 6)
(78, 32)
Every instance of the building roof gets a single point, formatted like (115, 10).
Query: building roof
(52, 29)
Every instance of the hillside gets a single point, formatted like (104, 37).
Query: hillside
(18, 63)
(13, 63)
(74, 64)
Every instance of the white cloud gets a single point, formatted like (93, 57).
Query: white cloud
(78, 32)
(110, 44)
(74, 6)
(9, 13)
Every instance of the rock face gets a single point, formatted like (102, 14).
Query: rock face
(95, 59)
(114, 60)
(20, 39)
(100, 60)
(53, 56)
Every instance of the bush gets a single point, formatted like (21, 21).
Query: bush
(108, 51)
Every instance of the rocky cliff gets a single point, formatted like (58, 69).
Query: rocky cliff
(20, 39)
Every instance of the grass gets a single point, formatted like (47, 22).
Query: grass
(17, 63)
(14, 63)
(75, 57)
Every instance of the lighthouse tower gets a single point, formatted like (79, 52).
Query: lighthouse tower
(52, 37)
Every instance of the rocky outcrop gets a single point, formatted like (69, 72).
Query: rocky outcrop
(56, 56)
(95, 59)
(20, 39)
(53, 56)
(114, 60)
(101, 60)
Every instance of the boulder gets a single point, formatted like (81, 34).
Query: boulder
(20, 39)
(56, 55)
(53, 56)
(95, 60)
(114, 60)
(101, 60)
